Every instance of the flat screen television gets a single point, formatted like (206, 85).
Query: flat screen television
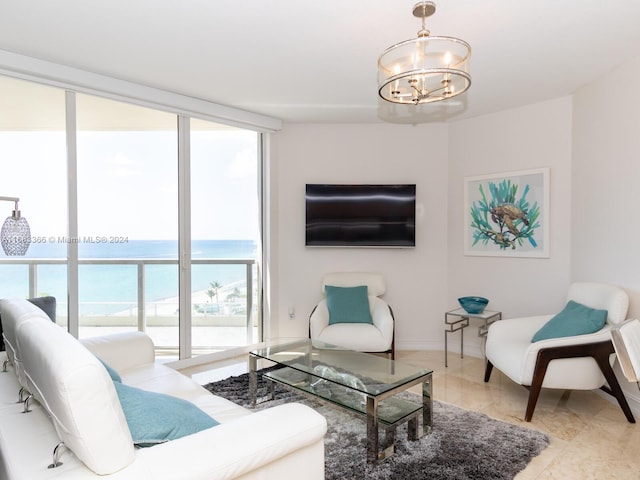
(360, 215)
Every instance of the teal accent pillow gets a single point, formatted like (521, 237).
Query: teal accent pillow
(348, 304)
(574, 319)
(115, 376)
(157, 418)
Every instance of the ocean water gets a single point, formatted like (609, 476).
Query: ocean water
(107, 289)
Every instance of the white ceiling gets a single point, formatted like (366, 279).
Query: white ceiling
(304, 61)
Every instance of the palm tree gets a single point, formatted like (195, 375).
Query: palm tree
(233, 295)
(213, 292)
(210, 293)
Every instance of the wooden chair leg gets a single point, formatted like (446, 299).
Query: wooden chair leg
(598, 351)
(534, 390)
(393, 348)
(614, 387)
(487, 371)
(540, 370)
(393, 334)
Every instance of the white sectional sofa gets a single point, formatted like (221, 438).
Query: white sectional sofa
(75, 402)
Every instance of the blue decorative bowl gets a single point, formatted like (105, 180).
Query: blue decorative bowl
(473, 304)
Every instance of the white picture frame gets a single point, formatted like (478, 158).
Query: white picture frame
(507, 214)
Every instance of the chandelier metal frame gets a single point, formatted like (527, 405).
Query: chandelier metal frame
(425, 69)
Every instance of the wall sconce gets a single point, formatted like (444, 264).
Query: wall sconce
(15, 236)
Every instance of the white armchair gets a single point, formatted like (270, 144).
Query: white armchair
(580, 362)
(373, 338)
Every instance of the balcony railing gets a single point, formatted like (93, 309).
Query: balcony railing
(155, 314)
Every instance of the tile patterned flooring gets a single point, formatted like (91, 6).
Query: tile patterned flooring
(590, 437)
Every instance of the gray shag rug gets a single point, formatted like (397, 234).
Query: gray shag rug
(463, 445)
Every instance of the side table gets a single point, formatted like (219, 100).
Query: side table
(458, 319)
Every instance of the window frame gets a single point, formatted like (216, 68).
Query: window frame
(75, 81)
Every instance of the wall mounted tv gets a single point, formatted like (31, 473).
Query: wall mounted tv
(360, 215)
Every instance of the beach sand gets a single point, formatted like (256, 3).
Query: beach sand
(168, 307)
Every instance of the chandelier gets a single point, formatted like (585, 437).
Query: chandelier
(426, 69)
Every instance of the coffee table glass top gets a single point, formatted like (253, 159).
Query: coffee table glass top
(375, 375)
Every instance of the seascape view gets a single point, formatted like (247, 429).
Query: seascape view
(127, 208)
(110, 289)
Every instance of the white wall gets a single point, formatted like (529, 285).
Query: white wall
(530, 137)
(416, 277)
(606, 187)
(606, 183)
(426, 281)
(590, 141)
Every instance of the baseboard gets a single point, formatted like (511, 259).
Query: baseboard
(634, 403)
(633, 398)
(471, 349)
(418, 345)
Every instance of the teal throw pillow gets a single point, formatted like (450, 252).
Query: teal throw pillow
(157, 418)
(348, 304)
(574, 319)
(115, 376)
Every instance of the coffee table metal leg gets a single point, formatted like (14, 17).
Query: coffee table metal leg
(389, 445)
(372, 430)
(374, 453)
(415, 430)
(253, 380)
(272, 392)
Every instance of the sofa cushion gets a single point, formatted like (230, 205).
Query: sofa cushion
(157, 418)
(574, 319)
(77, 392)
(348, 304)
(46, 304)
(15, 312)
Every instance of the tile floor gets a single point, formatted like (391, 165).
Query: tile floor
(590, 437)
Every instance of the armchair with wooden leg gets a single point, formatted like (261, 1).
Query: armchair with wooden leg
(557, 358)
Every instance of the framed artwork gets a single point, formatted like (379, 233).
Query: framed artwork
(507, 214)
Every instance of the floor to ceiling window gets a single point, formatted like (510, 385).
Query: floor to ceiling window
(128, 218)
(33, 153)
(125, 170)
(224, 225)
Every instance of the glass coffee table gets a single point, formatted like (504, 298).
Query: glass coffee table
(362, 383)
